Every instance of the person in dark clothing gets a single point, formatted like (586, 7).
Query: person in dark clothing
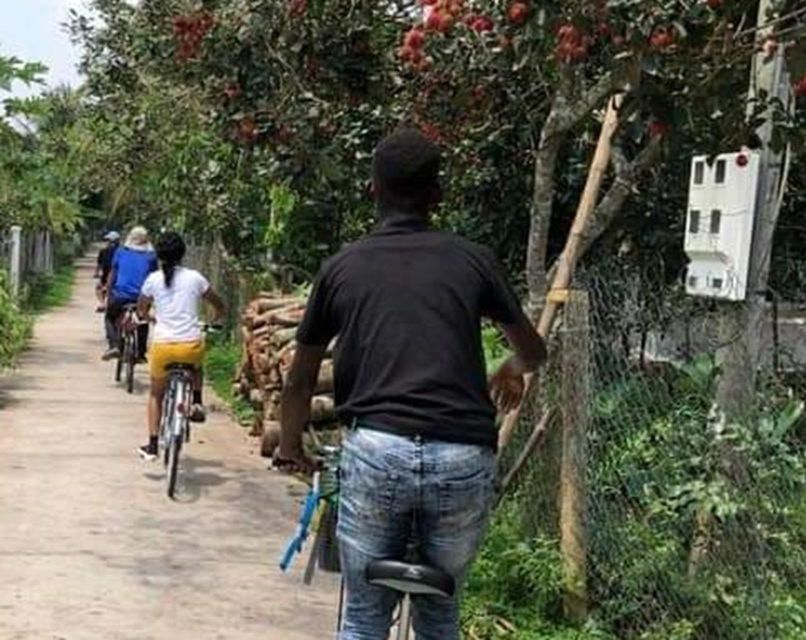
(131, 265)
(104, 266)
(405, 307)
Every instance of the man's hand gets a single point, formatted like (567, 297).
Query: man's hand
(295, 408)
(506, 388)
(295, 460)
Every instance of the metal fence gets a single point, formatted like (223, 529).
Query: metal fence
(670, 524)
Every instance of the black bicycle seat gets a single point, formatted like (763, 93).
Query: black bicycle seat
(410, 578)
(181, 367)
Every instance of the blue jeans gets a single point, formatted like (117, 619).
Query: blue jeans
(393, 487)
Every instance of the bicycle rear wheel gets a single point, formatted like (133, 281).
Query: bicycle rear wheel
(173, 449)
(131, 356)
(119, 368)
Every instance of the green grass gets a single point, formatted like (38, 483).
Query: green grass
(47, 292)
(220, 365)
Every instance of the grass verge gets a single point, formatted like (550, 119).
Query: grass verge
(220, 365)
(43, 293)
(47, 292)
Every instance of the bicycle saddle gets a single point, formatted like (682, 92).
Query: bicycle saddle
(410, 578)
(181, 367)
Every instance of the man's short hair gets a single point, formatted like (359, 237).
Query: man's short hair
(406, 169)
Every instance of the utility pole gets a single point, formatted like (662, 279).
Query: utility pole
(742, 324)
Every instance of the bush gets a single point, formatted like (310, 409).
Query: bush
(14, 325)
(656, 466)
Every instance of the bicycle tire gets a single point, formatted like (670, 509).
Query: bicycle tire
(131, 355)
(167, 411)
(119, 368)
(174, 447)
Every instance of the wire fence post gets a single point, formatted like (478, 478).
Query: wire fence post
(575, 399)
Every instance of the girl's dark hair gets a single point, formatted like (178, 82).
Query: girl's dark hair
(170, 250)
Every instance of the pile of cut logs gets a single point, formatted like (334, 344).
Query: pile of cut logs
(269, 327)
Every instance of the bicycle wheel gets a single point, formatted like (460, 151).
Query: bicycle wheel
(174, 447)
(119, 368)
(131, 356)
(167, 419)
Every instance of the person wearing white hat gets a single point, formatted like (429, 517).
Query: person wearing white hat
(104, 266)
(131, 265)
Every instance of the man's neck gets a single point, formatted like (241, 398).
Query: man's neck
(395, 217)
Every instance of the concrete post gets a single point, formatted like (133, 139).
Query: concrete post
(15, 266)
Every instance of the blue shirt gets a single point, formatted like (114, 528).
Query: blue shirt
(131, 269)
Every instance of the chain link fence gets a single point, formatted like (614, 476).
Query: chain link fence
(670, 524)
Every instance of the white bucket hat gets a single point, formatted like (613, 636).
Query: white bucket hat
(137, 239)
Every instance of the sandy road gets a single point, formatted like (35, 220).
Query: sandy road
(90, 546)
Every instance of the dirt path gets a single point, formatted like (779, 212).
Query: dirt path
(90, 546)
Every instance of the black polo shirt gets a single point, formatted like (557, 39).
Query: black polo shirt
(406, 303)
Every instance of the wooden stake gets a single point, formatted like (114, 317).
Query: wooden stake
(575, 398)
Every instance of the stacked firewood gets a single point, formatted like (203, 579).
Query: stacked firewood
(269, 327)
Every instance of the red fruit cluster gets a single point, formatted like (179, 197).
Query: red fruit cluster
(482, 24)
(572, 44)
(432, 132)
(412, 50)
(517, 13)
(658, 129)
(297, 8)
(800, 87)
(441, 15)
(189, 31)
(661, 38)
(247, 130)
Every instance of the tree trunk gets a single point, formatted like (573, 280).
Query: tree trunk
(540, 216)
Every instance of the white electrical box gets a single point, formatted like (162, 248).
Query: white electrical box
(719, 224)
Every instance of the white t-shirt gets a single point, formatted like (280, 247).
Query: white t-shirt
(176, 308)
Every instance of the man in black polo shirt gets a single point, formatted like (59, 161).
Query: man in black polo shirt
(406, 304)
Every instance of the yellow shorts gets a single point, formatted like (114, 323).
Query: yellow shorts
(163, 354)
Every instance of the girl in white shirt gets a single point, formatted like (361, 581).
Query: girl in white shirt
(175, 293)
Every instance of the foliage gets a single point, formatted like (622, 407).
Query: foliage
(45, 292)
(656, 465)
(14, 325)
(496, 350)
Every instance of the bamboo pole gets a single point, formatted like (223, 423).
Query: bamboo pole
(570, 255)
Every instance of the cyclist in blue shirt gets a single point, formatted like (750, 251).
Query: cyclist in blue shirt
(131, 266)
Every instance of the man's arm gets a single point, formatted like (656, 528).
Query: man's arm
(215, 301)
(144, 306)
(110, 283)
(99, 263)
(507, 384)
(295, 406)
